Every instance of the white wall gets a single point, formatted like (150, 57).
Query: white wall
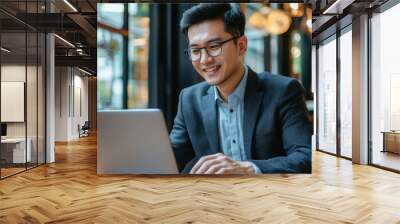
(71, 94)
(80, 110)
(62, 81)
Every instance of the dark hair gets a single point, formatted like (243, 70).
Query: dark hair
(234, 20)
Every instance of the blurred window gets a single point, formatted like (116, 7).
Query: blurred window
(346, 94)
(122, 40)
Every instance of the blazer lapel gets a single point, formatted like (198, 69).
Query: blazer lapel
(209, 113)
(252, 101)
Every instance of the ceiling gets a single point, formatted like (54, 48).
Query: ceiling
(330, 15)
(73, 20)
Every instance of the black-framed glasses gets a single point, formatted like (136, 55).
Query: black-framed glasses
(213, 49)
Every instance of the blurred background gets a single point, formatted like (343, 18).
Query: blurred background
(62, 60)
(141, 61)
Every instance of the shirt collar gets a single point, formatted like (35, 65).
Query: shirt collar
(238, 92)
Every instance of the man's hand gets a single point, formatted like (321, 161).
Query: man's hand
(221, 164)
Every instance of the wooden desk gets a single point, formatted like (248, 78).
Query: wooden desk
(391, 141)
(70, 191)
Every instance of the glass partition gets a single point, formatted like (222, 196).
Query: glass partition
(327, 96)
(385, 89)
(13, 104)
(22, 66)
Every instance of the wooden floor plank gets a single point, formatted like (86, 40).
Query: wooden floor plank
(70, 191)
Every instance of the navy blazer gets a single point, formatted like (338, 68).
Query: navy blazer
(276, 130)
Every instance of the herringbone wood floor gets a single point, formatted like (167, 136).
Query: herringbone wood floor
(69, 191)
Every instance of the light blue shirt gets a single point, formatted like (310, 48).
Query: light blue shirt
(230, 122)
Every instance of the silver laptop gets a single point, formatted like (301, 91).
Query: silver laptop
(133, 142)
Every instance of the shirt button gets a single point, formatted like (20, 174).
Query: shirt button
(231, 110)
(234, 141)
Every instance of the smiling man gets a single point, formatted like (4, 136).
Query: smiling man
(236, 121)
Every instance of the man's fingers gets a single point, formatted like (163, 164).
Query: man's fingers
(224, 171)
(222, 164)
(202, 160)
(207, 164)
(215, 168)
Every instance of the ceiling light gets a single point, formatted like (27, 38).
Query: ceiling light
(278, 22)
(5, 50)
(308, 20)
(296, 37)
(273, 21)
(79, 51)
(294, 6)
(65, 41)
(84, 71)
(294, 9)
(295, 51)
(309, 24)
(257, 20)
(337, 7)
(70, 5)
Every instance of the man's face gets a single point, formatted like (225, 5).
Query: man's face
(216, 70)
